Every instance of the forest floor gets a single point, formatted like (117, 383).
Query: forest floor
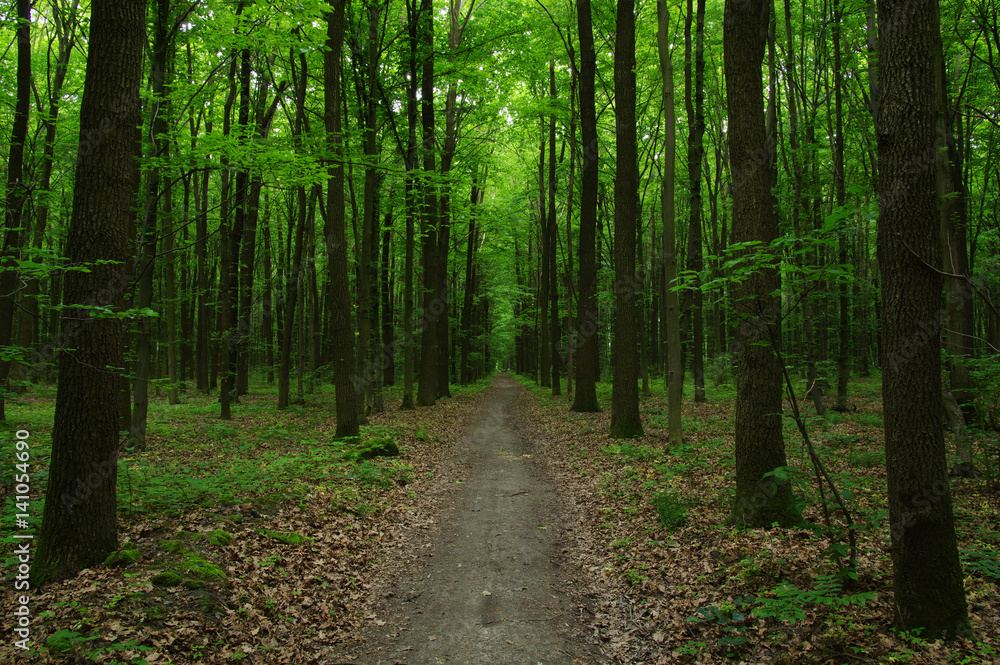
(258, 540)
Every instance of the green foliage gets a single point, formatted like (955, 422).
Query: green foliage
(790, 602)
(287, 537)
(671, 509)
(980, 561)
(166, 578)
(732, 618)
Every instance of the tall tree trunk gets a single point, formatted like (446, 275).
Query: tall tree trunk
(959, 335)
(16, 193)
(760, 447)
(466, 331)
(927, 574)
(66, 25)
(696, 152)
(844, 327)
(674, 373)
(79, 523)
(410, 196)
(342, 332)
(202, 351)
(427, 388)
(544, 285)
(625, 421)
(388, 357)
(570, 337)
(553, 234)
(365, 370)
(155, 197)
(585, 398)
(267, 318)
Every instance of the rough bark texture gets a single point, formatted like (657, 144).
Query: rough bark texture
(342, 330)
(427, 388)
(79, 524)
(760, 447)
(674, 373)
(625, 421)
(585, 397)
(16, 193)
(927, 575)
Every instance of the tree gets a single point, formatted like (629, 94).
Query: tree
(16, 192)
(760, 447)
(625, 420)
(342, 330)
(585, 397)
(674, 373)
(427, 389)
(79, 522)
(927, 575)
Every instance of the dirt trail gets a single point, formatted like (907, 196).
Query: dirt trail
(487, 587)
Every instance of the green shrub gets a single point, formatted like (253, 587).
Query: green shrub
(671, 510)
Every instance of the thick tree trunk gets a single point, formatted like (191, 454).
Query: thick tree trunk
(342, 332)
(625, 420)
(79, 524)
(760, 447)
(927, 574)
(585, 398)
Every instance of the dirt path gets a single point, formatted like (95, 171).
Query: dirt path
(486, 585)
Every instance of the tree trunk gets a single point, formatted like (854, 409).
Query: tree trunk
(696, 151)
(342, 332)
(79, 524)
(585, 398)
(927, 574)
(30, 320)
(844, 327)
(674, 373)
(160, 152)
(554, 335)
(427, 389)
(16, 193)
(410, 196)
(625, 421)
(760, 447)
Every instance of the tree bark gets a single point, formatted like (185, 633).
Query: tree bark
(427, 388)
(760, 447)
(674, 373)
(79, 523)
(16, 193)
(553, 227)
(625, 420)
(585, 397)
(927, 574)
(342, 330)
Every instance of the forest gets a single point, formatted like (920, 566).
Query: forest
(282, 284)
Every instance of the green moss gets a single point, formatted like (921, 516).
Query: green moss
(219, 537)
(193, 584)
(422, 435)
(122, 558)
(286, 537)
(166, 579)
(198, 568)
(172, 546)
